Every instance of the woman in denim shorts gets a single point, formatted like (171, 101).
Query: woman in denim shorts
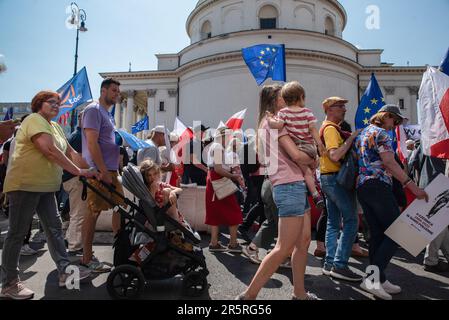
(290, 196)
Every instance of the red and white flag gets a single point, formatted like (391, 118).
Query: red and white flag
(236, 121)
(401, 137)
(185, 135)
(434, 113)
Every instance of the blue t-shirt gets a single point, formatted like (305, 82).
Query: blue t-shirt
(98, 118)
(371, 142)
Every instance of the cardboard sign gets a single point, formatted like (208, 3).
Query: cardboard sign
(422, 222)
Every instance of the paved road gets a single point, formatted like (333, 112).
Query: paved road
(230, 274)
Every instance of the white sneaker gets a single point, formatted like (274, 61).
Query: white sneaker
(378, 292)
(27, 251)
(251, 254)
(16, 291)
(84, 274)
(391, 288)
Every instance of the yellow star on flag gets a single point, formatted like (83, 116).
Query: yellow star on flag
(366, 122)
(383, 99)
(262, 52)
(374, 101)
(262, 63)
(367, 110)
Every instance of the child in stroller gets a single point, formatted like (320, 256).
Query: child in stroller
(161, 192)
(153, 244)
(166, 195)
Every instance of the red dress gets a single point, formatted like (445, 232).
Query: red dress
(225, 212)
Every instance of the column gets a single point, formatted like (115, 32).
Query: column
(118, 112)
(151, 107)
(414, 91)
(171, 110)
(129, 111)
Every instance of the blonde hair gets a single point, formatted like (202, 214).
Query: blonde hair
(292, 93)
(146, 166)
(379, 118)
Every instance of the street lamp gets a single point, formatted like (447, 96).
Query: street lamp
(78, 18)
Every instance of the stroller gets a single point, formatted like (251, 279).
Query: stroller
(151, 245)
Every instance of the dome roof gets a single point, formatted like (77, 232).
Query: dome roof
(200, 2)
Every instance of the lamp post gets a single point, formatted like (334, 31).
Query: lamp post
(78, 19)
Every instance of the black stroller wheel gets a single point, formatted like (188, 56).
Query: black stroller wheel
(194, 284)
(126, 282)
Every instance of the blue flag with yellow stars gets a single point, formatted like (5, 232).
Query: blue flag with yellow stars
(372, 101)
(266, 61)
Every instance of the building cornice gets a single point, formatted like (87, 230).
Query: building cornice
(226, 57)
(237, 56)
(393, 70)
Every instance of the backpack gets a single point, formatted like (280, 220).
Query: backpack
(347, 176)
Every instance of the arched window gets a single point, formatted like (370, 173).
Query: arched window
(206, 30)
(329, 26)
(268, 16)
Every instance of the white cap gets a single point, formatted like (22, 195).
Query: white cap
(174, 137)
(159, 129)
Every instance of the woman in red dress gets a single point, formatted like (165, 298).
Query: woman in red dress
(225, 212)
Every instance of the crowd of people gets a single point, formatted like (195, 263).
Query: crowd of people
(268, 177)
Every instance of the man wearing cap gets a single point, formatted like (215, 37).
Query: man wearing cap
(195, 170)
(167, 158)
(377, 166)
(340, 203)
(156, 139)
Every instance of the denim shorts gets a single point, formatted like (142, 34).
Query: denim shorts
(291, 199)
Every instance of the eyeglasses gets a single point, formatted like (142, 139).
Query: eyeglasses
(53, 103)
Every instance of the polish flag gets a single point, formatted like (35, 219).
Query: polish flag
(401, 137)
(434, 113)
(185, 135)
(236, 121)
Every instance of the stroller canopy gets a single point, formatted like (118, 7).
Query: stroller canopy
(133, 181)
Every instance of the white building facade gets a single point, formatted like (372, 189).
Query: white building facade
(209, 81)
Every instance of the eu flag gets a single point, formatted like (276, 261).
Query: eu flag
(266, 61)
(74, 93)
(9, 114)
(141, 125)
(372, 101)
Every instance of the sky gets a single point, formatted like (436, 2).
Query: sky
(39, 49)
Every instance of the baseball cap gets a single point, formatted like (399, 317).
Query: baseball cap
(329, 102)
(159, 129)
(174, 137)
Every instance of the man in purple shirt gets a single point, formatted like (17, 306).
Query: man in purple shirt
(100, 151)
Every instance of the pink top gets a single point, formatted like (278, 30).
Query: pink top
(297, 123)
(280, 168)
